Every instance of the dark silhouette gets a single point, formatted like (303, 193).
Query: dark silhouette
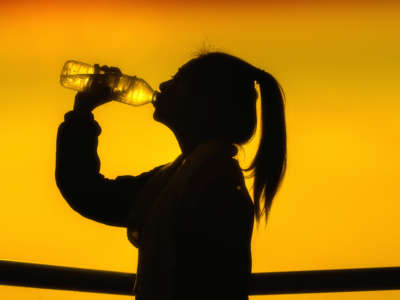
(191, 219)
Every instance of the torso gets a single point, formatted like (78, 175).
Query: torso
(157, 253)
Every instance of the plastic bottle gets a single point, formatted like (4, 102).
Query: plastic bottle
(128, 89)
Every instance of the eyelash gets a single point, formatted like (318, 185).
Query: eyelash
(174, 77)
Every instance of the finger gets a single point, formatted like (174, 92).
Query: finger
(96, 68)
(98, 81)
(100, 89)
(105, 68)
(108, 69)
(115, 70)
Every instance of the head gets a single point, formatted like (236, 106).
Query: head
(213, 96)
(200, 99)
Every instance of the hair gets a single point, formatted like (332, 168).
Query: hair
(230, 82)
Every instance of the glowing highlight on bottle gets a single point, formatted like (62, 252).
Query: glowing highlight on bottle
(130, 90)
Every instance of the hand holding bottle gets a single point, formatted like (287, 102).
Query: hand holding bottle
(98, 85)
(99, 91)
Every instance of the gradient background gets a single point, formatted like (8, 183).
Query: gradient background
(338, 63)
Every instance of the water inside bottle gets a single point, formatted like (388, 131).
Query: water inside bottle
(82, 82)
(134, 91)
(77, 82)
(127, 89)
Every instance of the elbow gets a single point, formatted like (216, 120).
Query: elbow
(72, 192)
(64, 184)
(81, 203)
(88, 204)
(74, 199)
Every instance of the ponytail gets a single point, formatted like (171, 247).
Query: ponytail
(269, 164)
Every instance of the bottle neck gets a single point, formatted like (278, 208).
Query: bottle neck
(155, 95)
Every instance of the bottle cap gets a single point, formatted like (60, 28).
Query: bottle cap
(155, 95)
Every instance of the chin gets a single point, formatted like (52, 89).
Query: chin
(160, 119)
(156, 116)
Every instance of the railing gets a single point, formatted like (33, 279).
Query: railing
(97, 281)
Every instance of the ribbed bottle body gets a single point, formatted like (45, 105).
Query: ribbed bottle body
(131, 90)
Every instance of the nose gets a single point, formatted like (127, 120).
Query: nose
(163, 85)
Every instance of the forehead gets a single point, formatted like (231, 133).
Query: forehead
(187, 67)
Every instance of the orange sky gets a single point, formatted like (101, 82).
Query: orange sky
(338, 63)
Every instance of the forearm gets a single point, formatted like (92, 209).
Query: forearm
(77, 174)
(76, 153)
(77, 165)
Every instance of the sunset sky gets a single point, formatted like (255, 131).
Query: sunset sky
(338, 63)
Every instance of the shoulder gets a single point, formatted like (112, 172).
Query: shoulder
(221, 185)
(129, 180)
(225, 171)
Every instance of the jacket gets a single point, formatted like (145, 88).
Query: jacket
(191, 219)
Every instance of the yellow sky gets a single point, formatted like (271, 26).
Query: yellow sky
(339, 67)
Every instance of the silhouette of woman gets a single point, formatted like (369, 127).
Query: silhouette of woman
(191, 219)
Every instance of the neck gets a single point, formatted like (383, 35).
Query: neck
(188, 143)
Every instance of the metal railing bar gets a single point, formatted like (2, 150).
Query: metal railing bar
(325, 281)
(65, 278)
(99, 281)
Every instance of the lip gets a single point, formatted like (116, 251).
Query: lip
(157, 100)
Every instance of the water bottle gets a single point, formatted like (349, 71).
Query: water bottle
(127, 89)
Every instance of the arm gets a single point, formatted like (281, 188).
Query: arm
(77, 164)
(77, 173)
(214, 259)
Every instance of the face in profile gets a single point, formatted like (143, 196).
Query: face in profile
(190, 102)
(176, 101)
